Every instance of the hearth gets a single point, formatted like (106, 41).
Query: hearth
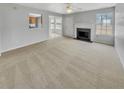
(84, 34)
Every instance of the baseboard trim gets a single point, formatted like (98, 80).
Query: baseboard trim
(121, 61)
(20, 47)
(68, 36)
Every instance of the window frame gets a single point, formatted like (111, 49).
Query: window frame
(102, 25)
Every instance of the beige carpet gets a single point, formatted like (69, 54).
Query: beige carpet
(62, 63)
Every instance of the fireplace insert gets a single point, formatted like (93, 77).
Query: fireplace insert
(84, 34)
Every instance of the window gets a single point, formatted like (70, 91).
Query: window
(104, 24)
(34, 20)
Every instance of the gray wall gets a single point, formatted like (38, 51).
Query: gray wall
(68, 25)
(1, 28)
(119, 31)
(15, 32)
(88, 17)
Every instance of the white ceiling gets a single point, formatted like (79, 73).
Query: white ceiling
(61, 7)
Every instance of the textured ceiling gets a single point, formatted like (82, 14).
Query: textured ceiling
(61, 7)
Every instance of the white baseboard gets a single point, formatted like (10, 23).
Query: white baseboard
(68, 36)
(121, 61)
(10, 49)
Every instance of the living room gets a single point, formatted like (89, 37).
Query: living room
(61, 45)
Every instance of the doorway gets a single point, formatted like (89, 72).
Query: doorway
(104, 28)
(55, 26)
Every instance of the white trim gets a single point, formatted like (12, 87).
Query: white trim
(86, 25)
(34, 15)
(121, 60)
(10, 49)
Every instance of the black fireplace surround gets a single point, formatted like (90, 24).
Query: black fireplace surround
(84, 34)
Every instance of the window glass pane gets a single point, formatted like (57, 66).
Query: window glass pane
(98, 27)
(52, 21)
(52, 26)
(98, 19)
(104, 24)
(104, 17)
(98, 32)
(58, 20)
(34, 20)
(104, 32)
(109, 31)
(108, 21)
(109, 18)
(58, 27)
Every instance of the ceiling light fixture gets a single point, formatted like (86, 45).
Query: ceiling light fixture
(69, 8)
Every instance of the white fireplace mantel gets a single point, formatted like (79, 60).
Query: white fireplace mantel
(84, 25)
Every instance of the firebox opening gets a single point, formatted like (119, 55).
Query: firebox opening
(83, 34)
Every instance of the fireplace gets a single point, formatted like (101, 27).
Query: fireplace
(84, 34)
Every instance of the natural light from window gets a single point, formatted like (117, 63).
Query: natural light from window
(104, 24)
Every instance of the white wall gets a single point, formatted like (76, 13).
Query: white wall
(88, 17)
(68, 25)
(1, 27)
(16, 32)
(119, 31)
